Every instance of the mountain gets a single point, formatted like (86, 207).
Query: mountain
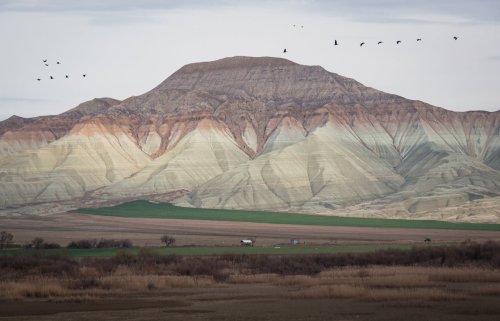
(260, 133)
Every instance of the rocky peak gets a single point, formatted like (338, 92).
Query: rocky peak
(269, 84)
(238, 62)
(274, 80)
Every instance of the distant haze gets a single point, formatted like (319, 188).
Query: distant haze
(128, 47)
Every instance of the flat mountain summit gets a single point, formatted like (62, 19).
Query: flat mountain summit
(259, 133)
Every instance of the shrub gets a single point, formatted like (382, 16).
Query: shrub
(102, 243)
(82, 244)
(37, 243)
(5, 239)
(51, 246)
(168, 240)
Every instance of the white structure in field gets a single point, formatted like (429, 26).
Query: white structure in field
(246, 243)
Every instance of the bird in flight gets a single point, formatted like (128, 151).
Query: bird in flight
(38, 79)
(46, 65)
(51, 77)
(336, 43)
(284, 51)
(455, 37)
(361, 44)
(67, 76)
(84, 75)
(45, 60)
(378, 43)
(58, 63)
(419, 39)
(398, 42)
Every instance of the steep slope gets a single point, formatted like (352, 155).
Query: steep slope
(328, 165)
(205, 152)
(95, 153)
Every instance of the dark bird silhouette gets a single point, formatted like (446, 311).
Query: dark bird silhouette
(361, 44)
(45, 60)
(84, 75)
(58, 63)
(398, 42)
(284, 51)
(46, 65)
(419, 39)
(336, 43)
(455, 37)
(295, 25)
(67, 76)
(38, 79)
(378, 43)
(51, 77)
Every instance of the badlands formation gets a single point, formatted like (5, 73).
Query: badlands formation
(259, 133)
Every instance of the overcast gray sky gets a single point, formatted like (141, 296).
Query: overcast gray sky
(127, 47)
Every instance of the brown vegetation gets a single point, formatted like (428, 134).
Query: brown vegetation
(419, 274)
(102, 243)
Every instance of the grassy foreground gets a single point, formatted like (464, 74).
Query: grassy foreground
(417, 273)
(145, 209)
(214, 250)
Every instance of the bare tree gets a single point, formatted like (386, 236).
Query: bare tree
(168, 240)
(5, 239)
(37, 243)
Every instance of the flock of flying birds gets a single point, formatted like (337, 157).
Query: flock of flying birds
(52, 77)
(336, 43)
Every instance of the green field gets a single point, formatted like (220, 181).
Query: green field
(198, 250)
(145, 209)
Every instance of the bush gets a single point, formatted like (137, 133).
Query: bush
(105, 243)
(37, 243)
(5, 239)
(51, 246)
(15, 266)
(168, 240)
(102, 243)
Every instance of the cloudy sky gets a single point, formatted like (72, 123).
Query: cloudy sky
(127, 47)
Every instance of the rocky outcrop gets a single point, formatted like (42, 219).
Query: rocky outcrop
(260, 133)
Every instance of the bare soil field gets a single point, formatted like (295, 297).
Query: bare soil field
(63, 228)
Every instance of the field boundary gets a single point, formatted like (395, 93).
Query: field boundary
(215, 250)
(146, 209)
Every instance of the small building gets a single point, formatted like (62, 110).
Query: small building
(294, 241)
(246, 243)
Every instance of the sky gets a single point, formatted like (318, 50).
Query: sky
(127, 47)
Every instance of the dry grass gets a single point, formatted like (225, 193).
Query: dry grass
(252, 278)
(463, 275)
(291, 280)
(408, 294)
(376, 294)
(398, 281)
(90, 288)
(39, 288)
(51, 288)
(121, 275)
(328, 291)
(398, 284)
(487, 290)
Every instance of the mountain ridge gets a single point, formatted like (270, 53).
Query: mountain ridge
(260, 133)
